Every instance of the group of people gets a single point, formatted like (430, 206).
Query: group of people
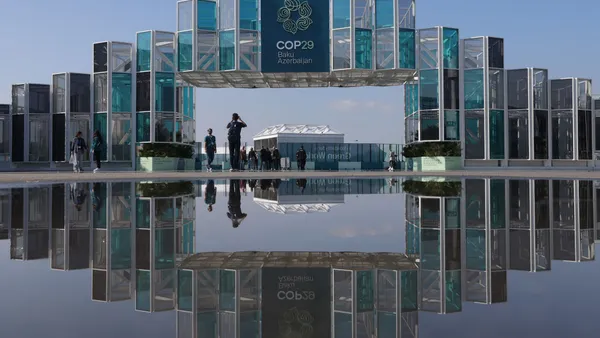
(79, 148)
(240, 158)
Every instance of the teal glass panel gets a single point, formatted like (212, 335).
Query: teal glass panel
(206, 324)
(476, 253)
(453, 292)
(411, 98)
(384, 13)
(227, 287)
(164, 248)
(249, 14)
(413, 239)
(185, 51)
(142, 290)
(142, 217)
(430, 212)
(497, 134)
(409, 290)
(365, 287)
(429, 126)
(188, 102)
(99, 200)
(120, 248)
(164, 94)
(474, 89)
(429, 93)
(430, 249)
(188, 238)
(227, 50)
(450, 52)
(497, 204)
(121, 93)
(249, 324)
(342, 325)
(407, 53)
(363, 48)
(185, 290)
(451, 125)
(144, 51)
(386, 325)
(452, 217)
(341, 13)
(142, 127)
(207, 15)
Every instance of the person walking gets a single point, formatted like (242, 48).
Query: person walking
(98, 148)
(210, 195)
(78, 148)
(210, 147)
(234, 137)
(301, 158)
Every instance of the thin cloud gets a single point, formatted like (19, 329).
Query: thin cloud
(355, 105)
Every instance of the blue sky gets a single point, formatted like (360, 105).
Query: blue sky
(44, 37)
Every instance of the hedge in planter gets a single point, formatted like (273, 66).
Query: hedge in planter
(432, 149)
(176, 150)
(430, 188)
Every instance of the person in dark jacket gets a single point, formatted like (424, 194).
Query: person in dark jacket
(234, 137)
(252, 160)
(78, 148)
(263, 159)
(98, 148)
(276, 159)
(210, 194)
(234, 204)
(301, 158)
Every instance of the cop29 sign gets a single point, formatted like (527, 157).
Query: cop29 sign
(296, 302)
(295, 36)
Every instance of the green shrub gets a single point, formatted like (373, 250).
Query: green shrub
(165, 189)
(177, 150)
(432, 149)
(430, 188)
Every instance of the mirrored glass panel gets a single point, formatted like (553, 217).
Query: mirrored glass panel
(59, 87)
(121, 57)
(100, 92)
(561, 94)
(79, 92)
(164, 52)
(100, 57)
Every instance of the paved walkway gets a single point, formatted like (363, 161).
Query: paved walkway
(50, 177)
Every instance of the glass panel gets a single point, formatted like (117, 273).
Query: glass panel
(496, 52)
(39, 140)
(474, 98)
(142, 102)
(121, 137)
(451, 89)
(59, 87)
(542, 204)
(364, 48)
(496, 134)
(584, 95)
(342, 325)
(341, 49)
(453, 292)
(121, 92)
(497, 204)
(121, 57)
(39, 99)
(142, 220)
(164, 95)
(18, 99)
(385, 48)
(429, 89)
(248, 50)
(207, 47)
(584, 134)
(99, 249)
(540, 89)
(430, 212)
(142, 290)
(58, 136)
(540, 134)
(406, 13)
(474, 134)
(101, 124)
(384, 13)
(227, 288)
(430, 249)
(185, 52)
(561, 94)
(144, 51)
(80, 93)
(164, 52)
(452, 216)
(185, 18)
(227, 50)
(100, 57)
(5, 136)
(164, 128)
(562, 135)
(120, 248)
(409, 290)
(496, 89)
(164, 241)
(100, 92)
(142, 127)
(518, 134)
(429, 53)
(473, 53)
(363, 14)
(411, 98)
(99, 285)
(476, 250)
(517, 89)
(407, 52)
(451, 125)
(450, 53)
(207, 15)
(563, 199)
(249, 14)
(430, 125)
(519, 215)
(342, 291)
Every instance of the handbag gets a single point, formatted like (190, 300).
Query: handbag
(72, 159)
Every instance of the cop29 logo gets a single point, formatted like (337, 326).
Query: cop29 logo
(295, 16)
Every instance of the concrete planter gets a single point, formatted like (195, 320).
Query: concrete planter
(151, 164)
(438, 163)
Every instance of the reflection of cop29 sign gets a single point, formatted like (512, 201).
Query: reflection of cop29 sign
(296, 302)
(298, 36)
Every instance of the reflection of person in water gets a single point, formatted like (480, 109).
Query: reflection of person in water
(265, 184)
(210, 194)
(301, 183)
(78, 195)
(97, 196)
(234, 204)
(252, 185)
(276, 184)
